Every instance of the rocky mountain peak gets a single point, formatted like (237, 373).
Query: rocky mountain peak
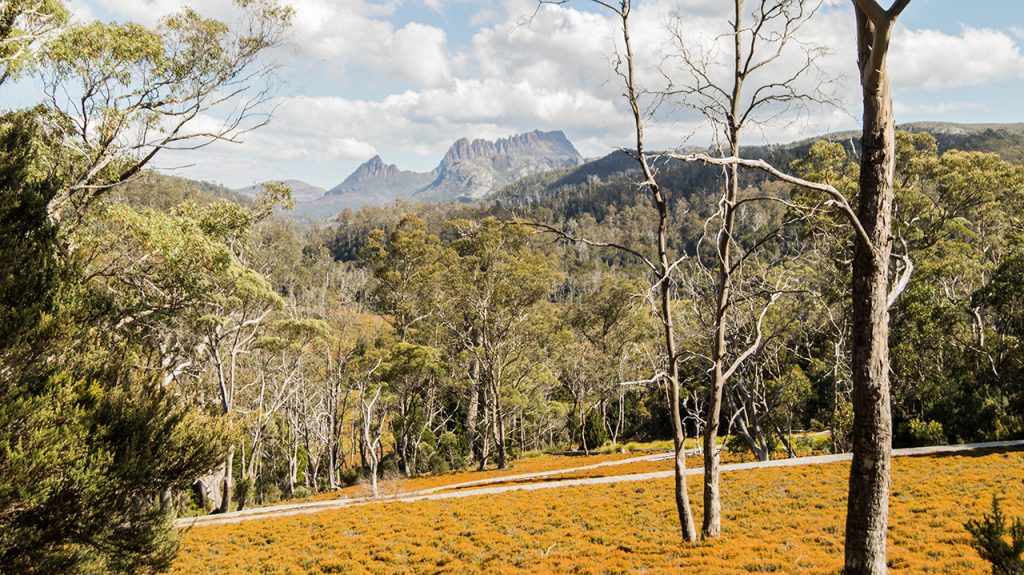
(508, 151)
(373, 168)
(469, 170)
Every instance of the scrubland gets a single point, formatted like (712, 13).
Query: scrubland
(782, 520)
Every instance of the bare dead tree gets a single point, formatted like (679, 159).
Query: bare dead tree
(661, 267)
(757, 42)
(371, 420)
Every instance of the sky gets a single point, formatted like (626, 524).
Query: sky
(406, 78)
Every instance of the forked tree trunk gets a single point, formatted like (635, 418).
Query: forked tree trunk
(712, 526)
(867, 514)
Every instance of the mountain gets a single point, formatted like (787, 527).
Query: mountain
(474, 169)
(1006, 140)
(541, 166)
(606, 184)
(377, 183)
(470, 170)
(301, 191)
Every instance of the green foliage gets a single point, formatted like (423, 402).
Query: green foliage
(996, 542)
(926, 432)
(31, 269)
(79, 484)
(594, 433)
(24, 26)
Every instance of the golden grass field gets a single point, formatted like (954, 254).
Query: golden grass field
(783, 520)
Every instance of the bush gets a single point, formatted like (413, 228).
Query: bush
(738, 444)
(990, 540)
(245, 489)
(271, 493)
(453, 449)
(437, 464)
(351, 476)
(594, 432)
(926, 432)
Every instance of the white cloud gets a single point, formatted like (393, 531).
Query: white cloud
(435, 5)
(408, 89)
(80, 11)
(933, 60)
(150, 11)
(941, 108)
(418, 53)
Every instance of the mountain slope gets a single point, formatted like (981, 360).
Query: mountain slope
(377, 183)
(301, 191)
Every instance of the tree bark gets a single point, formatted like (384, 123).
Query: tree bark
(687, 528)
(225, 502)
(472, 405)
(712, 498)
(867, 512)
(499, 429)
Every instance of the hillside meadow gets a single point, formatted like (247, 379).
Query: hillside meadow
(784, 520)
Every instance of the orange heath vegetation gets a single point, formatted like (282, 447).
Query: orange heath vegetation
(785, 520)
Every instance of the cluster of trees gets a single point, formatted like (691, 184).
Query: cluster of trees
(95, 437)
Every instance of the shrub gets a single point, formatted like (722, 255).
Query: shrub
(301, 492)
(594, 432)
(990, 540)
(926, 432)
(452, 448)
(351, 476)
(738, 444)
(437, 464)
(271, 493)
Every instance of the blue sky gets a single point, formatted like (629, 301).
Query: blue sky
(405, 78)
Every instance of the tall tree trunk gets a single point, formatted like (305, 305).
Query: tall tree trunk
(227, 484)
(332, 455)
(485, 437)
(867, 513)
(687, 528)
(499, 429)
(473, 402)
(712, 498)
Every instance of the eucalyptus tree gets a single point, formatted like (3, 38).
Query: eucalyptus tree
(413, 375)
(738, 80)
(115, 95)
(25, 26)
(276, 367)
(495, 316)
(119, 94)
(867, 515)
(605, 327)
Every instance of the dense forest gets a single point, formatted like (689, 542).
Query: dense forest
(170, 348)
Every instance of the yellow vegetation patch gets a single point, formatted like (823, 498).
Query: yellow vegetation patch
(516, 467)
(785, 520)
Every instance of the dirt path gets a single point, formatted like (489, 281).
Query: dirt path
(347, 501)
(443, 492)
